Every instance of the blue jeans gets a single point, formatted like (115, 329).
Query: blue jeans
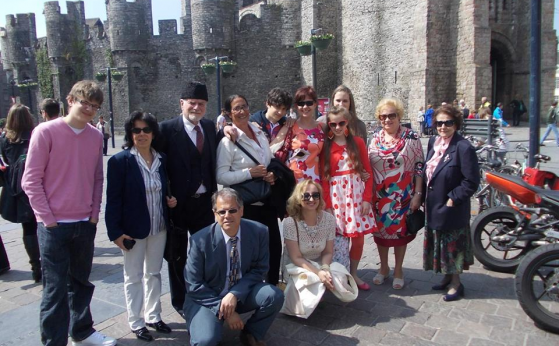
(67, 256)
(551, 127)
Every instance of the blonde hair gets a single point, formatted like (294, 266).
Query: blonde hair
(294, 203)
(390, 102)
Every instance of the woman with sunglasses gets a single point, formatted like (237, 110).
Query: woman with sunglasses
(452, 177)
(346, 194)
(309, 234)
(137, 220)
(307, 137)
(234, 166)
(396, 157)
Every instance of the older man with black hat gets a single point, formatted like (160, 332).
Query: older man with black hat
(190, 144)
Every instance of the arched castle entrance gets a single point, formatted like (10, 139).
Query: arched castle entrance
(503, 58)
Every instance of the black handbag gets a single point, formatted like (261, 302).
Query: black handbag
(415, 221)
(255, 189)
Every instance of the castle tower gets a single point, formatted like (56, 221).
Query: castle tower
(18, 40)
(290, 21)
(213, 24)
(66, 34)
(130, 24)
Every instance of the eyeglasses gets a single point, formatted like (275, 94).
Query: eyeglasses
(89, 105)
(137, 130)
(305, 103)
(340, 124)
(390, 116)
(307, 196)
(240, 109)
(447, 123)
(223, 212)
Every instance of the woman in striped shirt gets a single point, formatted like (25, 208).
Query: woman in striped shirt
(137, 220)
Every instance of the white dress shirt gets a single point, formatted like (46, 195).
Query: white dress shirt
(192, 134)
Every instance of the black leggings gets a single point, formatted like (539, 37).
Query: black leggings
(29, 228)
(267, 215)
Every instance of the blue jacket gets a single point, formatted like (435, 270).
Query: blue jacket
(456, 177)
(206, 265)
(429, 117)
(260, 118)
(127, 211)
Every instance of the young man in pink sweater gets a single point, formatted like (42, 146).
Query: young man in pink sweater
(64, 182)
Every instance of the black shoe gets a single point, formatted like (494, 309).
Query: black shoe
(441, 286)
(542, 145)
(143, 334)
(4, 270)
(456, 295)
(160, 327)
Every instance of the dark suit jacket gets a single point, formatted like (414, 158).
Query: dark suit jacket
(127, 211)
(456, 177)
(206, 266)
(175, 141)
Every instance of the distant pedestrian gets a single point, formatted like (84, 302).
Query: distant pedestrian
(464, 109)
(50, 109)
(103, 126)
(518, 109)
(551, 124)
(222, 120)
(421, 120)
(428, 120)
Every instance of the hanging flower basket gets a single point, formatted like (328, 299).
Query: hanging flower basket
(227, 66)
(321, 42)
(304, 47)
(208, 69)
(101, 76)
(117, 75)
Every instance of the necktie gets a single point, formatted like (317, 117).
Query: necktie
(233, 263)
(199, 138)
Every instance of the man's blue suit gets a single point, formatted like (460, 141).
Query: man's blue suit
(206, 272)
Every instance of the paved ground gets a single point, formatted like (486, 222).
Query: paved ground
(490, 314)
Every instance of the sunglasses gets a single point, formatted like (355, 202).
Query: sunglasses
(307, 196)
(447, 123)
(340, 124)
(137, 130)
(390, 116)
(305, 103)
(223, 212)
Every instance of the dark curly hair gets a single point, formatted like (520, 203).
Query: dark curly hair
(454, 113)
(150, 120)
(230, 99)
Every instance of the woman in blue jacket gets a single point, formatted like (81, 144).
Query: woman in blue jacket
(452, 177)
(137, 220)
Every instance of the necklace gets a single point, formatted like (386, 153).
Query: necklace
(311, 232)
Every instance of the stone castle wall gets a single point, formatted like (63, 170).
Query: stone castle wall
(421, 52)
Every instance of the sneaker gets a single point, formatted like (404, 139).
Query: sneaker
(96, 339)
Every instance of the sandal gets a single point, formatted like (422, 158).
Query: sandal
(379, 279)
(398, 283)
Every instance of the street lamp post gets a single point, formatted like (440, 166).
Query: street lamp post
(218, 78)
(108, 71)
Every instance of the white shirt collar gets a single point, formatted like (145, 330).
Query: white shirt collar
(226, 237)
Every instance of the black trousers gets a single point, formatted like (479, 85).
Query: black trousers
(267, 215)
(193, 215)
(4, 262)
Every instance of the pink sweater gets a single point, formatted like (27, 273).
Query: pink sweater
(63, 175)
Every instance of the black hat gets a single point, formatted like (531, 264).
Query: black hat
(195, 90)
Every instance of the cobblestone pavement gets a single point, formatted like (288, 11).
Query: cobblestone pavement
(489, 314)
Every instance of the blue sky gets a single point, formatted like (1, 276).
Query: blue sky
(162, 9)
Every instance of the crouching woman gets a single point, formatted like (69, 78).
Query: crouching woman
(309, 235)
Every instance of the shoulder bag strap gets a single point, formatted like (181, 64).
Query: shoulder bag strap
(297, 228)
(246, 152)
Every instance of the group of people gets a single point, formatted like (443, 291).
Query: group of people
(163, 201)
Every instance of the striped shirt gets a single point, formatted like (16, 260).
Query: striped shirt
(153, 184)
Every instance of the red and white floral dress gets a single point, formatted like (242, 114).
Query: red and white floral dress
(345, 191)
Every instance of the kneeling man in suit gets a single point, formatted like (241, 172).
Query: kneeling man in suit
(225, 270)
